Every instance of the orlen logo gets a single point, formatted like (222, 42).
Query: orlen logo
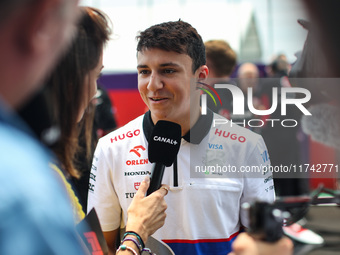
(137, 162)
(164, 140)
(128, 134)
(136, 150)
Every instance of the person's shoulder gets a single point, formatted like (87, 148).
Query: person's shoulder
(225, 125)
(233, 136)
(129, 130)
(21, 148)
(25, 167)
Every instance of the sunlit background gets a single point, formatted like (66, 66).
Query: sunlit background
(256, 29)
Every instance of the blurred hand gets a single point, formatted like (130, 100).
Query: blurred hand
(147, 214)
(247, 245)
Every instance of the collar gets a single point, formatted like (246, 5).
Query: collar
(195, 135)
(11, 118)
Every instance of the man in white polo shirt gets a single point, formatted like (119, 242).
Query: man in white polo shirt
(210, 178)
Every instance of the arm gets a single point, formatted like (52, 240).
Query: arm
(111, 238)
(145, 216)
(258, 186)
(38, 213)
(246, 245)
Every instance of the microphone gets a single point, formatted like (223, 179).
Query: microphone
(163, 148)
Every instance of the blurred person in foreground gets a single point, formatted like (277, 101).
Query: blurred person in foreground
(204, 212)
(36, 217)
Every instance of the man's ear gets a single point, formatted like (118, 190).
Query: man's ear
(203, 72)
(38, 23)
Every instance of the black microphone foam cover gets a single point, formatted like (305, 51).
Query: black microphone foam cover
(165, 142)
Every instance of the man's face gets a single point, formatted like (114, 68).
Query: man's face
(164, 84)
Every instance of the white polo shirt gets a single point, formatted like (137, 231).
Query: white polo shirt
(204, 212)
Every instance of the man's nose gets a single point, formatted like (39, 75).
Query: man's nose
(155, 82)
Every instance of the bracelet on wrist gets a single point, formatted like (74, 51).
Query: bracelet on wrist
(124, 247)
(135, 241)
(136, 235)
(148, 251)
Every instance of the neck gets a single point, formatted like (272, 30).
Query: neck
(186, 123)
(215, 80)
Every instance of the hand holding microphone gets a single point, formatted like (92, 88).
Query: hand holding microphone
(163, 148)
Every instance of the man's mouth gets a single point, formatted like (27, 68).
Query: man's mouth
(156, 99)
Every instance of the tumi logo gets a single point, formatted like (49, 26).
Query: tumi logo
(137, 173)
(130, 195)
(164, 140)
(215, 146)
(136, 150)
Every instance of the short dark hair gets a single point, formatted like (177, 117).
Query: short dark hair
(177, 36)
(221, 56)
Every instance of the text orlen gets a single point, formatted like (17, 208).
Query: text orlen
(136, 162)
(238, 100)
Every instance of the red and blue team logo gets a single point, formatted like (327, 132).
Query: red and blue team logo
(136, 185)
(208, 92)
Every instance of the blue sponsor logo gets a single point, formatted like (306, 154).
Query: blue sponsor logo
(265, 156)
(215, 146)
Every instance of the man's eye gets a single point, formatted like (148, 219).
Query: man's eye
(143, 71)
(169, 71)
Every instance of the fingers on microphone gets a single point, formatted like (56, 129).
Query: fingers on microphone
(165, 188)
(143, 187)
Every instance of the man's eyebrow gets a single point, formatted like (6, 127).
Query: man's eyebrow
(169, 64)
(142, 66)
(161, 65)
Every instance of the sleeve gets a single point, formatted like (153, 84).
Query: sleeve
(36, 217)
(102, 195)
(258, 186)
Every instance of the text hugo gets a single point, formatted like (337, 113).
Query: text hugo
(238, 100)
